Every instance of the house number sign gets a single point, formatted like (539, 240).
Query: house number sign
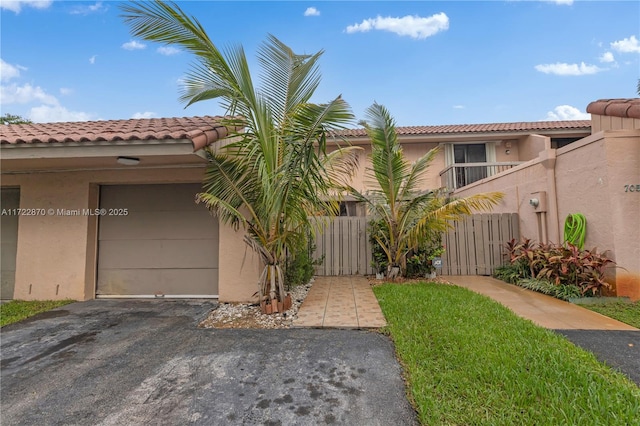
(632, 188)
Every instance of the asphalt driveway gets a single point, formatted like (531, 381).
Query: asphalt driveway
(113, 362)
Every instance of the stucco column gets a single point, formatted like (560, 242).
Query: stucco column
(548, 160)
(239, 267)
(51, 258)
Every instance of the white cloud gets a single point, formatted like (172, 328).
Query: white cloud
(568, 69)
(458, 107)
(311, 11)
(607, 58)
(86, 10)
(567, 112)
(146, 114)
(16, 5)
(134, 45)
(168, 50)
(56, 113)
(413, 26)
(8, 71)
(627, 45)
(47, 107)
(15, 94)
(92, 60)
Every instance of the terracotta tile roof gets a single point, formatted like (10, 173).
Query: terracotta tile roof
(202, 131)
(532, 126)
(626, 108)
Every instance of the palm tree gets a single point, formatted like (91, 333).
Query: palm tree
(408, 215)
(275, 172)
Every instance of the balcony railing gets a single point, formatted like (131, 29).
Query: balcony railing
(463, 174)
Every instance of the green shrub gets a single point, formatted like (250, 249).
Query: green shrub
(511, 272)
(299, 267)
(562, 265)
(562, 291)
(379, 260)
(418, 260)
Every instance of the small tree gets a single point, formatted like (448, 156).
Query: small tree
(275, 173)
(408, 217)
(14, 119)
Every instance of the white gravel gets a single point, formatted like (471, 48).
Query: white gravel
(244, 315)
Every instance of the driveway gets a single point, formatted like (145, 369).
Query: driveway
(131, 362)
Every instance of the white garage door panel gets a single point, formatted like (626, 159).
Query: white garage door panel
(169, 282)
(165, 244)
(153, 226)
(160, 254)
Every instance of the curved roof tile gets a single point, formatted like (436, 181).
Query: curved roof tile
(202, 131)
(625, 108)
(530, 126)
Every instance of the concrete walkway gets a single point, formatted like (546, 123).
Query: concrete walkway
(543, 310)
(340, 302)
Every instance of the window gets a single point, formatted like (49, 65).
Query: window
(560, 142)
(469, 153)
(349, 208)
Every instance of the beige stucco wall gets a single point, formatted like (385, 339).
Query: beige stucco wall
(593, 179)
(510, 145)
(239, 267)
(412, 152)
(56, 254)
(605, 122)
(519, 185)
(531, 146)
(588, 177)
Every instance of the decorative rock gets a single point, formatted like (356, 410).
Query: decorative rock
(242, 315)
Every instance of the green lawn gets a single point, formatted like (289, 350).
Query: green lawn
(470, 361)
(17, 310)
(629, 313)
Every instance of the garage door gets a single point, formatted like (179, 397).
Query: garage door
(9, 203)
(155, 241)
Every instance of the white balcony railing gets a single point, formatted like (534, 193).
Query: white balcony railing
(458, 175)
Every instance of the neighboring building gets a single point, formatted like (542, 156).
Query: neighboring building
(469, 153)
(154, 241)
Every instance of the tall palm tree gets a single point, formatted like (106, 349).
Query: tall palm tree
(408, 214)
(275, 172)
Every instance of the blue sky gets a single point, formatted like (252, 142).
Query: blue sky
(429, 62)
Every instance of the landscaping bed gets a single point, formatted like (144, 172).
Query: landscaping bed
(246, 315)
(470, 360)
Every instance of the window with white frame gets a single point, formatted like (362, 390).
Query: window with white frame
(463, 162)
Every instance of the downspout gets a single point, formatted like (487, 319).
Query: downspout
(548, 160)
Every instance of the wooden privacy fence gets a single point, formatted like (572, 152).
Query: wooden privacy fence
(473, 247)
(344, 243)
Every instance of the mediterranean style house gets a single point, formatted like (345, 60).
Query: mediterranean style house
(106, 208)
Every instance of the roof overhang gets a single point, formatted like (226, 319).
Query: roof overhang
(98, 155)
(467, 137)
